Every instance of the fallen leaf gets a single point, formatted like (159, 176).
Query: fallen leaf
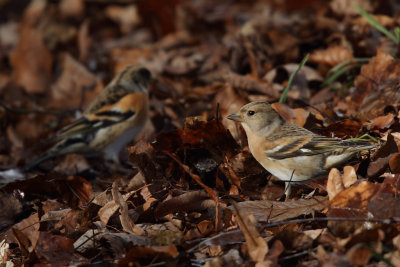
(31, 61)
(55, 249)
(349, 176)
(127, 17)
(72, 8)
(76, 83)
(127, 224)
(26, 233)
(331, 56)
(377, 86)
(256, 245)
(335, 183)
(265, 210)
(297, 116)
(394, 163)
(187, 202)
(346, 7)
(382, 122)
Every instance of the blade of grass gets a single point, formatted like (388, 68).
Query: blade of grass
(364, 137)
(397, 32)
(289, 84)
(337, 74)
(349, 61)
(376, 24)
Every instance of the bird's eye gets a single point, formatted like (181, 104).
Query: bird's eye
(251, 113)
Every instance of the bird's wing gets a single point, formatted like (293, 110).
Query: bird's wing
(105, 116)
(315, 144)
(109, 96)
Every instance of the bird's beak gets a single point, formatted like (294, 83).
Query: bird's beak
(235, 117)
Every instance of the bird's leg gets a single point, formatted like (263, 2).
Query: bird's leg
(288, 187)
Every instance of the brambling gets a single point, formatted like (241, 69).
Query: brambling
(289, 152)
(110, 122)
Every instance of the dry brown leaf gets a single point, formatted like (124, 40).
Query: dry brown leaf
(74, 83)
(346, 7)
(343, 129)
(231, 258)
(135, 253)
(294, 240)
(335, 183)
(72, 8)
(385, 21)
(107, 211)
(27, 229)
(31, 61)
(377, 86)
(382, 122)
(11, 208)
(358, 253)
(122, 57)
(385, 203)
(127, 224)
(378, 166)
(297, 116)
(205, 227)
(56, 250)
(256, 245)
(349, 176)
(126, 16)
(356, 197)
(228, 102)
(248, 84)
(329, 258)
(266, 210)
(331, 56)
(300, 84)
(54, 215)
(245, 172)
(394, 163)
(34, 12)
(187, 202)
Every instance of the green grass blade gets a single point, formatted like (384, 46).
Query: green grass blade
(337, 74)
(365, 137)
(286, 91)
(376, 24)
(349, 61)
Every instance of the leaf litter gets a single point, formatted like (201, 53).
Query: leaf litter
(195, 195)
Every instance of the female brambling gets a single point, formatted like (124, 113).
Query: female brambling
(290, 152)
(111, 121)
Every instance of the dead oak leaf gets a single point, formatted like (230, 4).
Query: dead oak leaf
(31, 61)
(72, 85)
(377, 86)
(331, 56)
